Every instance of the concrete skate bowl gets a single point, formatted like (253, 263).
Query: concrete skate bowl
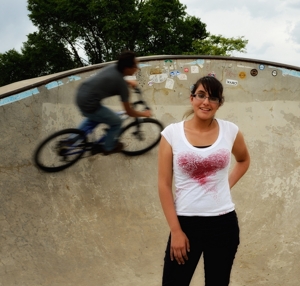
(100, 221)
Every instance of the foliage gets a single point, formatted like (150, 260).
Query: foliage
(40, 56)
(46, 56)
(12, 67)
(219, 46)
(103, 28)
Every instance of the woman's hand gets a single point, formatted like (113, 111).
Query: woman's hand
(180, 246)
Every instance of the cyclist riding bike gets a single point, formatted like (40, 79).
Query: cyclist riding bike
(109, 82)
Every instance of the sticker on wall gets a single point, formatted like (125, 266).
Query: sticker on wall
(169, 83)
(174, 73)
(156, 70)
(198, 62)
(242, 66)
(19, 96)
(242, 75)
(194, 69)
(232, 82)
(186, 70)
(261, 67)
(53, 84)
(182, 76)
(274, 73)
(158, 78)
(286, 72)
(254, 72)
(73, 78)
(213, 74)
(130, 77)
(141, 65)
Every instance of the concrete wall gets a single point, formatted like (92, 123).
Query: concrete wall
(100, 221)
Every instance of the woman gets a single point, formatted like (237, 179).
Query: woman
(202, 218)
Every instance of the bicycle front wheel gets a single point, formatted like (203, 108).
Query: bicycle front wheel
(140, 136)
(60, 150)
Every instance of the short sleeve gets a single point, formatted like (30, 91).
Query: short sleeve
(168, 132)
(230, 131)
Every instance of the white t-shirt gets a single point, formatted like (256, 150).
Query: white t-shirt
(201, 174)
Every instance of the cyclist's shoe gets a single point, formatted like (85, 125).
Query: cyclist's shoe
(96, 148)
(119, 147)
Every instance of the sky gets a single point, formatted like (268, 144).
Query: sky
(272, 27)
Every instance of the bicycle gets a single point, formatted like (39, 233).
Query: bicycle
(64, 148)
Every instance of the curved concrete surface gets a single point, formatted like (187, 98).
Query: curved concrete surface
(100, 221)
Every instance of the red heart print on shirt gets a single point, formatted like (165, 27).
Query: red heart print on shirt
(200, 168)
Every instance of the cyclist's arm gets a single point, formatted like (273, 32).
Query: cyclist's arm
(134, 113)
(132, 83)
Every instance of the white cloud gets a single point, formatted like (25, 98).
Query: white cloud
(295, 33)
(15, 25)
(271, 26)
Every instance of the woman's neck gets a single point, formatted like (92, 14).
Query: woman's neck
(202, 125)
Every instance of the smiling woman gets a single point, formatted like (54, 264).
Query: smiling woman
(202, 216)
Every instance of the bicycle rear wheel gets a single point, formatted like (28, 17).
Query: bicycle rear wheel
(140, 136)
(60, 150)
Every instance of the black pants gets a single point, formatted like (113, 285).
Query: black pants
(217, 238)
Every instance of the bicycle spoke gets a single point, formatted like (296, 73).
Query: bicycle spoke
(139, 138)
(60, 150)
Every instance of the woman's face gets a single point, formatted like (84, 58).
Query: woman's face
(204, 105)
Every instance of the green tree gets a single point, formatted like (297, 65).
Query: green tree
(218, 46)
(167, 29)
(102, 28)
(99, 28)
(46, 56)
(40, 56)
(12, 67)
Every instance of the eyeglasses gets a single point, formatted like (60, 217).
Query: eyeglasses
(202, 97)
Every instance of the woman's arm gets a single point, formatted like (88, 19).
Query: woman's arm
(179, 241)
(242, 158)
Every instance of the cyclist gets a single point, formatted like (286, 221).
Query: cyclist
(109, 82)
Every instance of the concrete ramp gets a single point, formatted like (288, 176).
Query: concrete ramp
(100, 221)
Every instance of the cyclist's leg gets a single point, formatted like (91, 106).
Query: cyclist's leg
(109, 117)
(86, 124)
